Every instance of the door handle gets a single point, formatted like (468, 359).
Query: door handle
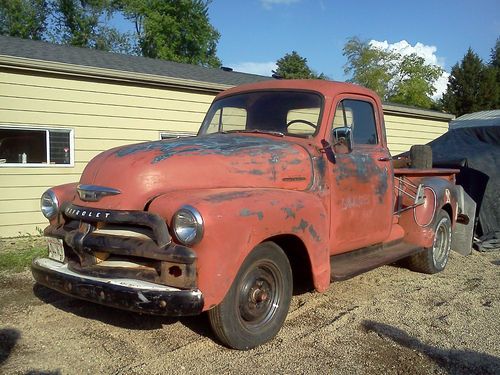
(384, 158)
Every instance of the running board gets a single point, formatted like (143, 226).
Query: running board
(347, 265)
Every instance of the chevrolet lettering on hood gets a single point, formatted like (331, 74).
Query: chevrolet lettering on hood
(94, 214)
(286, 180)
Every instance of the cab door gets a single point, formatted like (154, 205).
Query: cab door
(361, 176)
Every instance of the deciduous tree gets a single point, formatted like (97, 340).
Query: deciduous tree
(176, 30)
(404, 79)
(368, 66)
(23, 18)
(85, 23)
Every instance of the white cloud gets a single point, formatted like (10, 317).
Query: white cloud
(260, 68)
(427, 52)
(268, 4)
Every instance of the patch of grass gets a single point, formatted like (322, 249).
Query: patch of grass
(16, 254)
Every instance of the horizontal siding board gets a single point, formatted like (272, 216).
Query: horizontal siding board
(26, 205)
(64, 120)
(21, 229)
(42, 171)
(414, 121)
(101, 99)
(91, 110)
(18, 218)
(68, 84)
(102, 144)
(26, 180)
(22, 193)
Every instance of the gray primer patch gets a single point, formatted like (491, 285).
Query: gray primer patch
(382, 185)
(314, 234)
(221, 197)
(215, 144)
(247, 212)
(301, 227)
(289, 212)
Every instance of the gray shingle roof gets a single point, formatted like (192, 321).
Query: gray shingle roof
(482, 118)
(92, 58)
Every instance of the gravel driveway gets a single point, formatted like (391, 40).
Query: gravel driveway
(387, 321)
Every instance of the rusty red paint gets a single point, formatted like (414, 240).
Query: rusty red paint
(250, 188)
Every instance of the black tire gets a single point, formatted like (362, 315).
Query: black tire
(256, 305)
(434, 259)
(421, 156)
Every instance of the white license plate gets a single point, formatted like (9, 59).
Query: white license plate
(56, 248)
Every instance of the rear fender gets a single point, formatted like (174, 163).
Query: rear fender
(419, 223)
(237, 220)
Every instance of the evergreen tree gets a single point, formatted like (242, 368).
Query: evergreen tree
(495, 65)
(294, 66)
(472, 86)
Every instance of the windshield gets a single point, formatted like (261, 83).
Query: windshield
(294, 113)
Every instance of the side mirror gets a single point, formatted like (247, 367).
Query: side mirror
(342, 140)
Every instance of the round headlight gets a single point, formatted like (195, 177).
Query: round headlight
(49, 204)
(187, 224)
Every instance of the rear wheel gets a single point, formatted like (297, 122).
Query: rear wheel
(434, 259)
(257, 303)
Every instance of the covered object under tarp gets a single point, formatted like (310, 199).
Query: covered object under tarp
(476, 152)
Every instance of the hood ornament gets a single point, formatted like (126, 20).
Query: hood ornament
(94, 193)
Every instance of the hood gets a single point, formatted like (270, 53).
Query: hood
(146, 170)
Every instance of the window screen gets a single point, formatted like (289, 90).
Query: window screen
(35, 146)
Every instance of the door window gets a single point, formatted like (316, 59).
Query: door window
(359, 116)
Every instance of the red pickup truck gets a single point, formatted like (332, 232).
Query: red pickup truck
(287, 181)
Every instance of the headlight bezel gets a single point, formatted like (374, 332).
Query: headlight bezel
(186, 236)
(51, 210)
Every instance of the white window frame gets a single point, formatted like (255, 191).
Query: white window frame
(175, 134)
(71, 132)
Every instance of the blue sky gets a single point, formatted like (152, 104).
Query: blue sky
(255, 33)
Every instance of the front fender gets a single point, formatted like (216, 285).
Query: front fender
(237, 220)
(64, 193)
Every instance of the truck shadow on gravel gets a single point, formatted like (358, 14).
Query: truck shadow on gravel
(8, 340)
(451, 360)
(119, 318)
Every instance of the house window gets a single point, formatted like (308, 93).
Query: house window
(35, 147)
(174, 135)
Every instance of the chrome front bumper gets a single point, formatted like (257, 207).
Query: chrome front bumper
(127, 294)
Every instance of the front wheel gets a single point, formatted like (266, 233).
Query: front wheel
(257, 303)
(434, 259)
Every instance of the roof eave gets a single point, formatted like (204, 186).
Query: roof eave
(28, 64)
(397, 110)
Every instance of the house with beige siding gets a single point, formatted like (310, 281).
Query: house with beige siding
(60, 106)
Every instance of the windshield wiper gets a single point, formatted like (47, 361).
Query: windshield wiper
(257, 131)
